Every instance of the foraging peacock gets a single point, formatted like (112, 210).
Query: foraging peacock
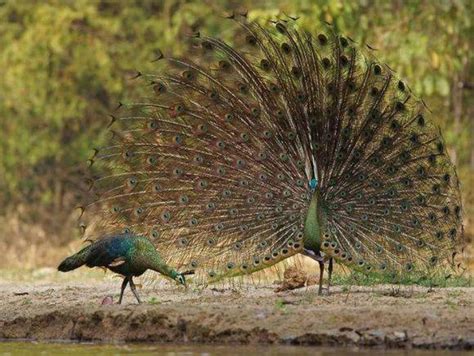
(283, 143)
(126, 254)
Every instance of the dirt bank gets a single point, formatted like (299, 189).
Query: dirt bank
(389, 316)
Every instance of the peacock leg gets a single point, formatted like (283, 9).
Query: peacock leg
(317, 257)
(330, 272)
(124, 285)
(134, 290)
(321, 274)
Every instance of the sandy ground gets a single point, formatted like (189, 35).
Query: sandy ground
(381, 316)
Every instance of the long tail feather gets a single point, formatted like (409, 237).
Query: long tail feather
(75, 261)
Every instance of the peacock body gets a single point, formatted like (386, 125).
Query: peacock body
(125, 254)
(286, 142)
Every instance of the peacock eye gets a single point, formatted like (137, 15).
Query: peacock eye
(255, 112)
(153, 125)
(265, 64)
(243, 88)
(178, 139)
(132, 182)
(251, 40)
(159, 88)
(207, 45)
(285, 47)
(213, 95)
(326, 62)
(151, 160)
(343, 60)
(344, 42)
(224, 65)
(420, 120)
(188, 75)
(322, 38)
(377, 69)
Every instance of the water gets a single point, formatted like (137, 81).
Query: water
(71, 349)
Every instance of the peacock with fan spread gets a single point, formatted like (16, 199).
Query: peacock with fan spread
(285, 142)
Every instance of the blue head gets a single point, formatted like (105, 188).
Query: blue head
(313, 183)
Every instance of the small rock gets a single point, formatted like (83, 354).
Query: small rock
(401, 335)
(345, 328)
(373, 337)
(377, 333)
(109, 300)
(294, 278)
(351, 337)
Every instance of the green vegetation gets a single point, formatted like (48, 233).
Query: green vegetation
(67, 64)
(153, 300)
(280, 305)
(364, 279)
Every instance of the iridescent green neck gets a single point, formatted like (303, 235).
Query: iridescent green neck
(149, 257)
(157, 264)
(313, 224)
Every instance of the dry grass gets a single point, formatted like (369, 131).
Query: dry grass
(30, 246)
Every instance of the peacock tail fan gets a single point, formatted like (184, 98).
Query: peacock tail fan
(220, 164)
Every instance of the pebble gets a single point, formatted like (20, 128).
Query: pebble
(109, 300)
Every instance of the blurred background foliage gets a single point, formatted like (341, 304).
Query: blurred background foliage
(66, 64)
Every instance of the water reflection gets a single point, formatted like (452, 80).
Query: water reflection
(69, 349)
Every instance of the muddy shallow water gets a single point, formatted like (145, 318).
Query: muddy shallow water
(194, 350)
(381, 316)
